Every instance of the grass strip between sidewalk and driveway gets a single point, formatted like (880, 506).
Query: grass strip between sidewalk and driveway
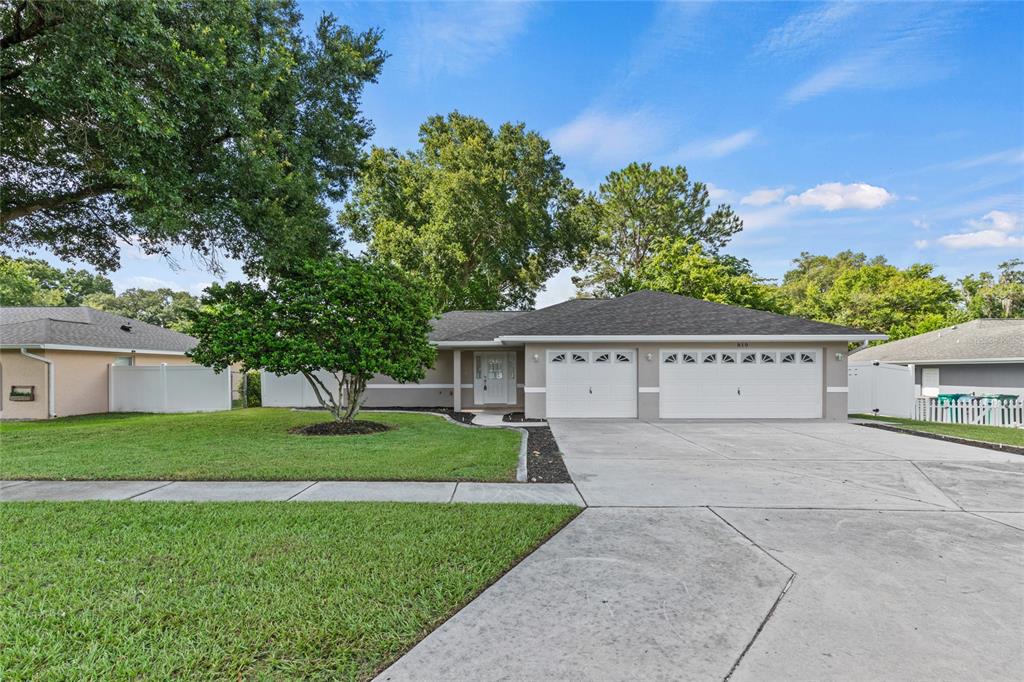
(256, 590)
(1003, 435)
(254, 444)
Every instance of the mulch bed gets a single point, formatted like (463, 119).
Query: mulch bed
(464, 417)
(516, 417)
(1001, 447)
(543, 459)
(356, 428)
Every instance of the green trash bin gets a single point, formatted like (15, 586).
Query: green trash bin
(947, 398)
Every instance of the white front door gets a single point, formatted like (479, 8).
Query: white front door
(591, 383)
(750, 383)
(492, 378)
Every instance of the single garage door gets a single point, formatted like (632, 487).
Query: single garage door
(591, 383)
(744, 384)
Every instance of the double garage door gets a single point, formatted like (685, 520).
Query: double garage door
(744, 384)
(748, 383)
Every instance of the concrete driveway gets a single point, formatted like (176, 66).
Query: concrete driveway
(758, 551)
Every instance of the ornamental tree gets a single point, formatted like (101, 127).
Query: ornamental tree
(209, 124)
(342, 316)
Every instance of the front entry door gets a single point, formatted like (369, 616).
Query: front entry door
(492, 375)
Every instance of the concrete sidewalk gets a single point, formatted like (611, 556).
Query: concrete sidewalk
(282, 491)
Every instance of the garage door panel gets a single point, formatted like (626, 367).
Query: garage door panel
(584, 384)
(756, 384)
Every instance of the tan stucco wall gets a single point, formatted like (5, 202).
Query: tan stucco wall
(81, 380)
(834, 370)
(17, 370)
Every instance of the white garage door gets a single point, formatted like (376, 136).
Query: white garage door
(591, 383)
(744, 384)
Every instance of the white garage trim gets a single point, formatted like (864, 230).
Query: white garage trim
(534, 389)
(743, 383)
(649, 389)
(838, 389)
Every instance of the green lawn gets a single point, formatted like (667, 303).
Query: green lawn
(988, 434)
(258, 590)
(253, 444)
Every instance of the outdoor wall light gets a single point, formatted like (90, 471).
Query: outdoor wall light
(650, 356)
(536, 357)
(839, 356)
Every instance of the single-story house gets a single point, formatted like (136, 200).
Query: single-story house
(977, 358)
(648, 355)
(54, 361)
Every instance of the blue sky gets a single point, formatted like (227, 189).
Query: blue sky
(894, 129)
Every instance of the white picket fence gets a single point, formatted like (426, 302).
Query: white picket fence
(168, 388)
(990, 413)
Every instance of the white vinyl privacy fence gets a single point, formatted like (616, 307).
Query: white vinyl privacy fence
(981, 411)
(878, 388)
(168, 388)
(292, 390)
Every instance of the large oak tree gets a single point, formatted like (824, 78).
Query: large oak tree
(211, 124)
(483, 217)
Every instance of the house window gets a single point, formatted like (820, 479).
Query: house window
(749, 358)
(124, 361)
(603, 357)
(688, 359)
(709, 358)
(560, 357)
(788, 358)
(767, 358)
(729, 358)
(671, 358)
(807, 358)
(579, 357)
(624, 357)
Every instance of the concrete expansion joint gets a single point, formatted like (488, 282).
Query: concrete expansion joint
(751, 541)
(302, 491)
(764, 622)
(144, 492)
(455, 489)
(941, 491)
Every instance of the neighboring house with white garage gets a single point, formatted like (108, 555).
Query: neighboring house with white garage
(648, 355)
(978, 357)
(54, 361)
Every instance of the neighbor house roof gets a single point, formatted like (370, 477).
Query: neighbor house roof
(979, 340)
(87, 328)
(645, 314)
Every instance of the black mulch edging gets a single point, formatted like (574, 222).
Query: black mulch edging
(543, 459)
(356, 428)
(464, 417)
(516, 417)
(1001, 447)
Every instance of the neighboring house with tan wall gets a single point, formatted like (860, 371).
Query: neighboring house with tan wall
(648, 355)
(54, 361)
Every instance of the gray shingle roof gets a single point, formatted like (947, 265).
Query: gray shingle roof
(86, 327)
(646, 313)
(974, 340)
(457, 322)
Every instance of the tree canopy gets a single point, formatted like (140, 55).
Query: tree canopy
(210, 124)
(31, 281)
(163, 307)
(483, 217)
(985, 295)
(639, 206)
(680, 266)
(347, 317)
(853, 290)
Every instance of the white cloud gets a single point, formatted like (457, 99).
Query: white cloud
(808, 29)
(458, 37)
(142, 282)
(920, 223)
(609, 138)
(557, 289)
(718, 194)
(921, 243)
(1008, 156)
(836, 196)
(718, 147)
(763, 197)
(996, 230)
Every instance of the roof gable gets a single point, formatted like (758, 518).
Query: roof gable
(984, 339)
